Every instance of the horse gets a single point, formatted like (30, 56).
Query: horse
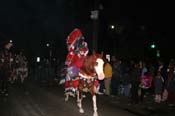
(87, 80)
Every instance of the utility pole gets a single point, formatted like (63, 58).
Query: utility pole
(95, 17)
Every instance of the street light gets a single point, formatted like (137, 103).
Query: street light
(112, 27)
(153, 46)
(95, 17)
(37, 59)
(47, 44)
(50, 50)
(11, 41)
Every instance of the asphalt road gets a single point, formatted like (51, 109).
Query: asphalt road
(42, 99)
(32, 99)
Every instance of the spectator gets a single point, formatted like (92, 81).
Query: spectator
(170, 85)
(5, 68)
(108, 76)
(116, 76)
(126, 81)
(135, 81)
(158, 84)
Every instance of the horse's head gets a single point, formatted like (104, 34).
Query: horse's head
(99, 65)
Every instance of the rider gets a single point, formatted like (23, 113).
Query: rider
(77, 49)
(77, 52)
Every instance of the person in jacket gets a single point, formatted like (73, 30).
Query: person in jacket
(108, 76)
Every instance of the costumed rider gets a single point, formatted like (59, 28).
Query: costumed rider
(77, 52)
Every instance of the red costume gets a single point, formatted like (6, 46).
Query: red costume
(77, 52)
(73, 58)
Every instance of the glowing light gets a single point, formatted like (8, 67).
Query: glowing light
(47, 44)
(153, 46)
(112, 26)
(38, 59)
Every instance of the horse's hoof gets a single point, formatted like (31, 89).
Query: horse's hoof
(81, 110)
(95, 114)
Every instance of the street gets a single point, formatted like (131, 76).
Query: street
(32, 99)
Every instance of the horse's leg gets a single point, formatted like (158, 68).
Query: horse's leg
(66, 94)
(78, 96)
(79, 101)
(94, 105)
(67, 97)
(92, 91)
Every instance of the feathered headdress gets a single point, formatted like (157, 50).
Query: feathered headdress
(73, 36)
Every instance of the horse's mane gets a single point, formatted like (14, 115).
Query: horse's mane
(89, 63)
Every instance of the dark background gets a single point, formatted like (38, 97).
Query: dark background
(33, 23)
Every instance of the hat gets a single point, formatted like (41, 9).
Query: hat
(76, 33)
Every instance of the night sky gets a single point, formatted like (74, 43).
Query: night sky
(145, 22)
(33, 23)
